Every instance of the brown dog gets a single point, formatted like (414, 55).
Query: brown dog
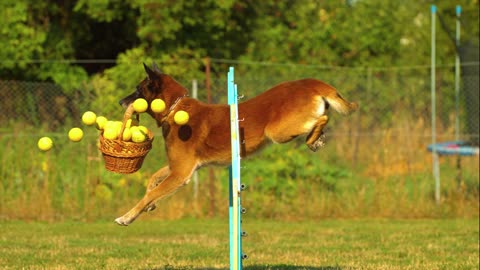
(287, 110)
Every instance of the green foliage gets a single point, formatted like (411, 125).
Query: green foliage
(277, 169)
(70, 78)
(15, 29)
(102, 10)
(40, 41)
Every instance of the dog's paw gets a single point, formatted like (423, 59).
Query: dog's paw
(122, 221)
(319, 143)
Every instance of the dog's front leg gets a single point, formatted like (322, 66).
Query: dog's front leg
(174, 181)
(156, 179)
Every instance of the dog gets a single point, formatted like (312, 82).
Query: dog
(279, 115)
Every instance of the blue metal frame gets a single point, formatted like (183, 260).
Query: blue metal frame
(234, 183)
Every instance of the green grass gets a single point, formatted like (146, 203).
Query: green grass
(203, 244)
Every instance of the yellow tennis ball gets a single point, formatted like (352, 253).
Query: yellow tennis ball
(181, 117)
(132, 129)
(140, 105)
(75, 134)
(45, 144)
(128, 124)
(118, 126)
(108, 124)
(110, 133)
(89, 118)
(157, 105)
(138, 136)
(127, 134)
(143, 129)
(100, 122)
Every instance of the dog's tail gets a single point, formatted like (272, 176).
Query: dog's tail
(339, 104)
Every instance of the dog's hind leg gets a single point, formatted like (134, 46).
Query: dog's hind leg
(316, 138)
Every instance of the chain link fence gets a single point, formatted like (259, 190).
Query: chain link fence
(387, 138)
(383, 93)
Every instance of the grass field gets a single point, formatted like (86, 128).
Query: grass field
(203, 244)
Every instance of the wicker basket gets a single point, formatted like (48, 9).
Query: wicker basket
(124, 157)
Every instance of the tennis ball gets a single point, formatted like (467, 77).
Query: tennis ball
(117, 126)
(140, 105)
(143, 129)
(128, 124)
(127, 134)
(108, 124)
(138, 136)
(110, 133)
(75, 134)
(45, 143)
(100, 122)
(132, 129)
(89, 118)
(157, 105)
(181, 117)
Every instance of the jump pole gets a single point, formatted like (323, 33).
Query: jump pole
(235, 209)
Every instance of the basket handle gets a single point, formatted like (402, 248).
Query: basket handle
(128, 114)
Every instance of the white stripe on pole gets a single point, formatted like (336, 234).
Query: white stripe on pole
(195, 174)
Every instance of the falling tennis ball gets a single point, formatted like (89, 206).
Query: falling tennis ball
(45, 144)
(100, 122)
(140, 105)
(138, 136)
(157, 105)
(181, 117)
(75, 134)
(89, 118)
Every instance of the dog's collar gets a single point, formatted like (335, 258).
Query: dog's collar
(172, 107)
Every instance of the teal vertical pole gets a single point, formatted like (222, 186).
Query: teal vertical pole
(230, 218)
(234, 184)
(236, 164)
(457, 75)
(230, 78)
(436, 169)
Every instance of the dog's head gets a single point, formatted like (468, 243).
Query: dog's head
(149, 89)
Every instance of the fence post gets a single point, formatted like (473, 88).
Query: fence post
(435, 162)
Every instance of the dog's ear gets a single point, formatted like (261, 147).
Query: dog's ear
(150, 73)
(155, 67)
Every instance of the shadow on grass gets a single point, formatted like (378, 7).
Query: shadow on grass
(256, 267)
